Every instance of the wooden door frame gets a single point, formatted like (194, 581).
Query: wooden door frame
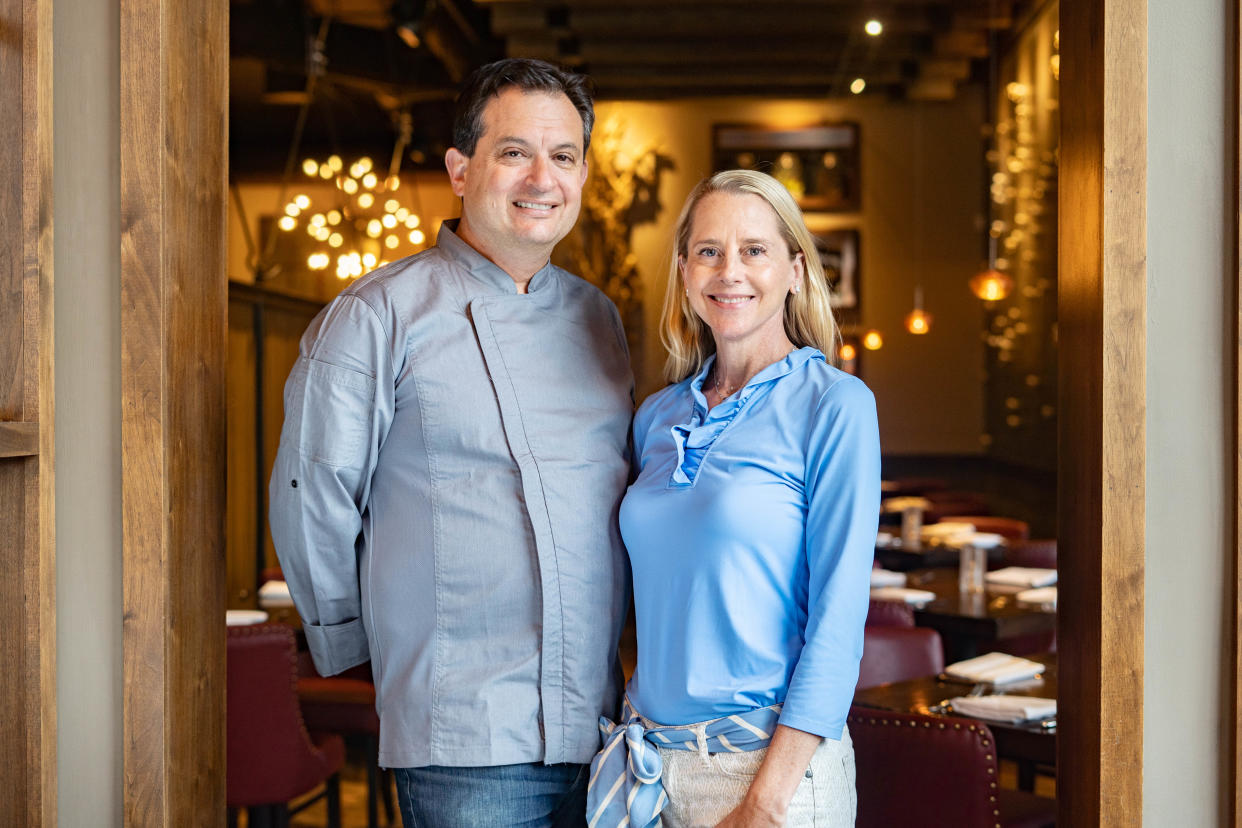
(27, 416)
(174, 84)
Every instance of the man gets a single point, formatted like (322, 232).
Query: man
(445, 495)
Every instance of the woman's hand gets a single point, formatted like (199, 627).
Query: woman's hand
(750, 815)
(776, 781)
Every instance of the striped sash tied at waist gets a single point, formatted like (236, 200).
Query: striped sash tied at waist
(625, 788)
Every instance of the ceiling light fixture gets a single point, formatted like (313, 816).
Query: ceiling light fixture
(873, 27)
(858, 86)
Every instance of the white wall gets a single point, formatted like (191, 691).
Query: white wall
(86, 119)
(1188, 300)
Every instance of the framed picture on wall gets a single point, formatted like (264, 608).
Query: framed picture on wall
(840, 253)
(817, 164)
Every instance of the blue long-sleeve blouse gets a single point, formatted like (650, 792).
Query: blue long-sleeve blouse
(751, 530)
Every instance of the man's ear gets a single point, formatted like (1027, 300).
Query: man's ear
(456, 163)
(584, 172)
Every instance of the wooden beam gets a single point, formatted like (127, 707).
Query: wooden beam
(27, 482)
(1102, 412)
(19, 439)
(1234, 805)
(174, 82)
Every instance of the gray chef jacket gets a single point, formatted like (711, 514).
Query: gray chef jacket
(444, 503)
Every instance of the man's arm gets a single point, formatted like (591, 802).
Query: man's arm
(338, 406)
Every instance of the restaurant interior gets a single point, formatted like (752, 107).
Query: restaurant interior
(1028, 212)
(920, 141)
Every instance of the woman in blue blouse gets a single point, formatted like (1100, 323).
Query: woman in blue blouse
(750, 529)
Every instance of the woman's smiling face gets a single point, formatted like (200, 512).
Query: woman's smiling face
(738, 269)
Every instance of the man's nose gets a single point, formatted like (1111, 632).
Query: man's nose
(540, 174)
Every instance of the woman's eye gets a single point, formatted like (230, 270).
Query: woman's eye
(754, 250)
(707, 252)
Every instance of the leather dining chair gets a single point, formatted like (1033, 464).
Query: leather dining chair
(1040, 554)
(271, 757)
(945, 769)
(889, 614)
(899, 653)
(345, 704)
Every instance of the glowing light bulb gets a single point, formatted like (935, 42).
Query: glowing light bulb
(369, 259)
(417, 237)
(366, 200)
(873, 27)
(412, 221)
(991, 285)
(310, 167)
(375, 228)
(302, 200)
(325, 172)
(364, 163)
(336, 240)
(318, 220)
(392, 205)
(334, 217)
(918, 321)
(322, 233)
(393, 183)
(292, 209)
(369, 181)
(872, 341)
(848, 352)
(334, 163)
(402, 214)
(350, 186)
(389, 220)
(287, 223)
(858, 85)
(391, 242)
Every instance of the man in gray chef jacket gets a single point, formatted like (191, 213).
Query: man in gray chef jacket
(445, 495)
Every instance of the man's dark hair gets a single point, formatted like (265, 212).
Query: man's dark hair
(526, 74)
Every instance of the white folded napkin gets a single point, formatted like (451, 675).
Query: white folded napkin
(994, 668)
(1011, 709)
(1022, 576)
(900, 504)
(979, 540)
(946, 532)
(896, 593)
(275, 594)
(1041, 597)
(886, 578)
(244, 617)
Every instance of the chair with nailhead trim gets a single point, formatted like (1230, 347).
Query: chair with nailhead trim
(945, 769)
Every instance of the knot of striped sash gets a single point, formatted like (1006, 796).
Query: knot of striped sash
(625, 788)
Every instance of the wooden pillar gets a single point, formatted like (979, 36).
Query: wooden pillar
(174, 82)
(27, 515)
(1102, 439)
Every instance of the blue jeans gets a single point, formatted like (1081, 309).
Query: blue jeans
(506, 796)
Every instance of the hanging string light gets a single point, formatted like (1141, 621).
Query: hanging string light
(918, 321)
(872, 340)
(991, 284)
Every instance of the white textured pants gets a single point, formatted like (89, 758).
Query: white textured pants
(702, 789)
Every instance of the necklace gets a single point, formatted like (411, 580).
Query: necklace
(722, 394)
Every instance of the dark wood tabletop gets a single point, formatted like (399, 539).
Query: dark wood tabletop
(1029, 744)
(973, 623)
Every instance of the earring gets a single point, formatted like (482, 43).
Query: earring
(796, 287)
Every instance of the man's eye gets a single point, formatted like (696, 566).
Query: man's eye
(565, 159)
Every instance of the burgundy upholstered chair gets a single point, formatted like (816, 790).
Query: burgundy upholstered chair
(1040, 554)
(899, 653)
(271, 757)
(889, 614)
(345, 704)
(945, 770)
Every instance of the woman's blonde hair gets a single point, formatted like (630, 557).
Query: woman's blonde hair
(808, 314)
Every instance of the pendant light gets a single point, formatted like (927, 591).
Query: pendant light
(918, 321)
(991, 284)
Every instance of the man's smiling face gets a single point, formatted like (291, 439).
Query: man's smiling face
(522, 188)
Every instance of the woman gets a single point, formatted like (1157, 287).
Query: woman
(750, 529)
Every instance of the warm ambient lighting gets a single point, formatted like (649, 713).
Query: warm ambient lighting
(872, 341)
(873, 27)
(847, 352)
(918, 321)
(991, 285)
(858, 86)
(355, 232)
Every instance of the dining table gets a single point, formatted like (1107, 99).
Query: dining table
(971, 623)
(1030, 745)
